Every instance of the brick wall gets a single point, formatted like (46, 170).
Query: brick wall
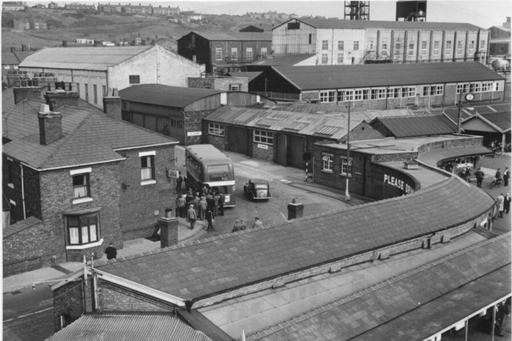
(115, 298)
(31, 183)
(193, 122)
(142, 205)
(56, 200)
(218, 141)
(11, 173)
(68, 301)
(112, 107)
(259, 151)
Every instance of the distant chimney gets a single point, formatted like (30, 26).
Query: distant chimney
(50, 126)
(112, 106)
(61, 93)
(27, 93)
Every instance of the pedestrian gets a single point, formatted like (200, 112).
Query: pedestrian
(467, 175)
(257, 223)
(220, 203)
(479, 177)
(111, 252)
(202, 207)
(189, 197)
(506, 203)
(506, 176)
(238, 226)
(497, 177)
(196, 201)
(209, 219)
(500, 201)
(182, 206)
(210, 201)
(179, 182)
(192, 216)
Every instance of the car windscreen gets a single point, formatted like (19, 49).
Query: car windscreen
(218, 169)
(260, 186)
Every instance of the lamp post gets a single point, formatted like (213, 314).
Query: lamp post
(469, 97)
(347, 192)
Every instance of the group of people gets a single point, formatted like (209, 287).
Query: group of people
(502, 178)
(204, 205)
(499, 177)
(240, 224)
(503, 203)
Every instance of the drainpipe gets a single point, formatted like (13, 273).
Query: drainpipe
(23, 192)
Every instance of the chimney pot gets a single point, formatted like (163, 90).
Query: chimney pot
(50, 127)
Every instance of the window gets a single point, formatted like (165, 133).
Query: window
(382, 93)
(482, 44)
(86, 90)
(11, 173)
(95, 93)
(82, 229)
(349, 95)
(215, 129)
(411, 53)
(411, 91)
(390, 92)
(341, 45)
(340, 58)
(328, 96)
(327, 162)
(340, 96)
(81, 188)
(384, 45)
(459, 44)
(366, 93)
(235, 87)
(472, 44)
(439, 89)
(310, 38)
(234, 53)
(448, 45)
(411, 46)
(325, 44)
(264, 52)
(374, 94)
(497, 86)
(262, 136)
(346, 166)
(424, 45)
(147, 167)
(371, 45)
(248, 54)
(134, 79)
(436, 46)
(218, 54)
(358, 94)
(324, 58)
(356, 45)
(294, 25)
(396, 92)
(486, 86)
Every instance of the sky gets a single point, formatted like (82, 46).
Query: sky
(483, 13)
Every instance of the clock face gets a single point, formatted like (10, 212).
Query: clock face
(469, 97)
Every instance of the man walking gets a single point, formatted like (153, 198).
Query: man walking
(506, 176)
(192, 216)
(209, 219)
(479, 177)
(500, 201)
(220, 202)
(506, 203)
(111, 252)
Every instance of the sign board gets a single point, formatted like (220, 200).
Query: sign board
(194, 133)
(395, 182)
(172, 173)
(262, 146)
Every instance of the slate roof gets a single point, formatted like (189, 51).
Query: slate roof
(408, 126)
(216, 35)
(82, 58)
(403, 307)
(375, 75)
(365, 24)
(170, 96)
(143, 327)
(89, 136)
(218, 264)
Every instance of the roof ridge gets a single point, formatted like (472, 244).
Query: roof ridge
(443, 259)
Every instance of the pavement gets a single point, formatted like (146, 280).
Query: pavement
(52, 275)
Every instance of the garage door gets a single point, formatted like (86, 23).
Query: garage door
(295, 151)
(238, 140)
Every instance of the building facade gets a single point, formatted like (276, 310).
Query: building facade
(224, 52)
(101, 71)
(337, 42)
(85, 178)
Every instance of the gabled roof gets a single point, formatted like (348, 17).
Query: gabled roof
(89, 137)
(408, 126)
(403, 307)
(500, 121)
(250, 75)
(365, 24)
(375, 75)
(223, 263)
(247, 36)
(143, 327)
(170, 96)
(82, 58)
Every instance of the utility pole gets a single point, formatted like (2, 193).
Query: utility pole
(349, 170)
(468, 97)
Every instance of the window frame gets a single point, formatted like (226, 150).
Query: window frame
(95, 93)
(263, 136)
(327, 164)
(325, 45)
(83, 221)
(133, 79)
(147, 178)
(325, 58)
(346, 166)
(249, 54)
(84, 186)
(355, 45)
(218, 54)
(341, 45)
(340, 60)
(234, 54)
(216, 129)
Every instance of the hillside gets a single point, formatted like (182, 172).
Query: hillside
(69, 25)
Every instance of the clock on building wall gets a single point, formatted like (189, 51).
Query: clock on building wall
(469, 97)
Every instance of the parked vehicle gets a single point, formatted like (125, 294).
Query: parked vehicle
(257, 190)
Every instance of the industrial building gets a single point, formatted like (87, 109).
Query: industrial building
(335, 41)
(381, 86)
(102, 71)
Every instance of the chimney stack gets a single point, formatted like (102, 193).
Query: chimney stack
(50, 125)
(60, 94)
(112, 105)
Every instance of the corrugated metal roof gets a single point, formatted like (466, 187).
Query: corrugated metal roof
(170, 96)
(218, 264)
(89, 136)
(409, 126)
(212, 35)
(406, 25)
(149, 327)
(403, 307)
(82, 58)
(375, 75)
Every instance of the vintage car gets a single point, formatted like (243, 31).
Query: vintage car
(257, 190)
